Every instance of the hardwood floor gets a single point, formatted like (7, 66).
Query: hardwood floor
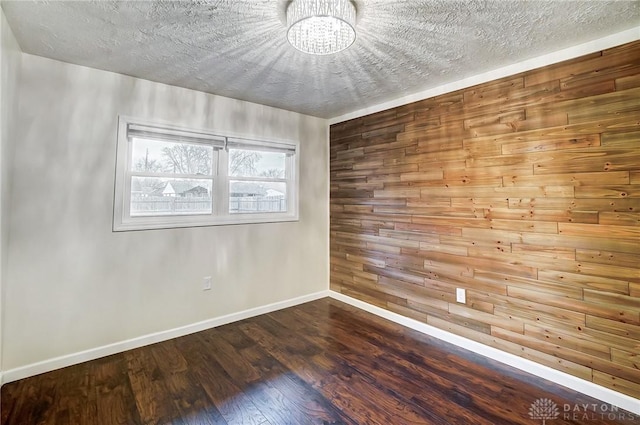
(322, 362)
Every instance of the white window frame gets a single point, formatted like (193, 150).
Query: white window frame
(220, 215)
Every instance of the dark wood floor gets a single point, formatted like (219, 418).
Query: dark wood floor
(318, 363)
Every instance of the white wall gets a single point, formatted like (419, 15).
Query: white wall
(73, 284)
(9, 66)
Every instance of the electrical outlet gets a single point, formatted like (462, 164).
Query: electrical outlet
(461, 295)
(206, 283)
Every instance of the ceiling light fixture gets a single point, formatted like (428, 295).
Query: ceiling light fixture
(321, 27)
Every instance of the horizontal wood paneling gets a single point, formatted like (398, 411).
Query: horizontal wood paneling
(525, 191)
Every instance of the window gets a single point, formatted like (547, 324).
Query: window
(174, 177)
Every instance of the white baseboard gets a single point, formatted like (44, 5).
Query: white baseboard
(606, 395)
(118, 347)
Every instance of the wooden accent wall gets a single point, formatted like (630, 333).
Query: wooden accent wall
(525, 191)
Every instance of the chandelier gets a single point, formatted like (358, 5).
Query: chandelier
(321, 27)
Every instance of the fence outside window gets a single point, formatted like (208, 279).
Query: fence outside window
(165, 205)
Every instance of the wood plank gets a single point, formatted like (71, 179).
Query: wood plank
(468, 179)
(428, 228)
(623, 139)
(491, 237)
(397, 193)
(543, 215)
(626, 83)
(550, 287)
(537, 227)
(76, 402)
(591, 363)
(631, 233)
(435, 139)
(576, 330)
(114, 399)
(536, 313)
(608, 257)
(430, 211)
(570, 179)
(364, 260)
(382, 146)
(34, 401)
(500, 117)
(632, 274)
(617, 122)
(364, 172)
(603, 297)
(547, 333)
(189, 400)
(586, 141)
(618, 384)
(390, 272)
(587, 64)
(611, 74)
(494, 192)
(483, 90)
(592, 271)
(382, 131)
(474, 263)
(447, 249)
(536, 309)
(490, 319)
(506, 345)
(438, 144)
(422, 176)
(448, 283)
(536, 120)
(598, 243)
(575, 204)
(414, 236)
(393, 120)
(429, 156)
(625, 358)
(608, 191)
(613, 327)
(619, 102)
(607, 311)
(589, 161)
(479, 203)
(152, 400)
(619, 218)
(609, 284)
(518, 97)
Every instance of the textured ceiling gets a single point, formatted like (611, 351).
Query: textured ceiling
(238, 48)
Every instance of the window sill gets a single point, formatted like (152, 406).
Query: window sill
(145, 223)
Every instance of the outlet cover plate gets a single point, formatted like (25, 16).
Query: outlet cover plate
(461, 295)
(206, 283)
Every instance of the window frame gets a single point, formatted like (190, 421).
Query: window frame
(220, 214)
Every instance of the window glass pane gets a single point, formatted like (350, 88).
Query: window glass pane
(248, 163)
(164, 196)
(152, 156)
(254, 197)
